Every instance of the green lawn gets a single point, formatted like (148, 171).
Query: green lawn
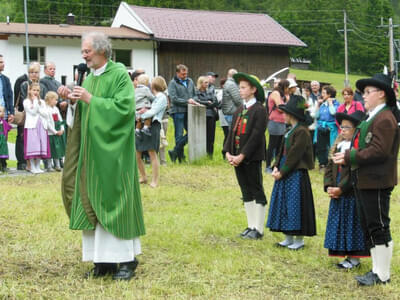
(190, 251)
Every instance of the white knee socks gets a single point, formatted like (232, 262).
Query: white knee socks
(260, 217)
(382, 257)
(251, 214)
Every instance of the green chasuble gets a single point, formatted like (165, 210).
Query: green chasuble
(100, 179)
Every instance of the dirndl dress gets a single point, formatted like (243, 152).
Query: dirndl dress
(57, 144)
(344, 235)
(292, 205)
(36, 142)
(3, 141)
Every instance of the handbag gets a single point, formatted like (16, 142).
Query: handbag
(19, 116)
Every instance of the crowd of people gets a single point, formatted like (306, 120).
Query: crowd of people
(356, 144)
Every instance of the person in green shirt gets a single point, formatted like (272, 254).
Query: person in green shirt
(100, 183)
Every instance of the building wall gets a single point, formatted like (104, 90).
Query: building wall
(65, 52)
(201, 58)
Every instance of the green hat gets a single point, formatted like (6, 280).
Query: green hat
(254, 81)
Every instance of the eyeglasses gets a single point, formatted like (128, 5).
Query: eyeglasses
(366, 93)
(346, 127)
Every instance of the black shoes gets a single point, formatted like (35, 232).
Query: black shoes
(101, 270)
(252, 234)
(245, 232)
(126, 270)
(146, 131)
(369, 279)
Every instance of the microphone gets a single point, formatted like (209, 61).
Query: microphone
(82, 69)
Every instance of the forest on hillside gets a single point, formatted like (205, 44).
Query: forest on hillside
(319, 23)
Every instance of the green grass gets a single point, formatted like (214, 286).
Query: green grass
(190, 251)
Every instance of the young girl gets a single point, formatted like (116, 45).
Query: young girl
(245, 150)
(36, 141)
(4, 129)
(292, 205)
(344, 236)
(55, 131)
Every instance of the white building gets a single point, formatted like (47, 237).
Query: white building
(61, 45)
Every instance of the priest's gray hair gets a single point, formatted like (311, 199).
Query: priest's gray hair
(100, 42)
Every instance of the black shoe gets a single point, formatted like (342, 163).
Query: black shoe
(146, 131)
(21, 167)
(370, 279)
(172, 155)
(253, 235)
(245, 232)
(101, 269)
(126, 270)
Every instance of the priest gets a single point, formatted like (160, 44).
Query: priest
(100, 185)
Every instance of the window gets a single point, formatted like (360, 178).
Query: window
(122, 56)
(35, 54)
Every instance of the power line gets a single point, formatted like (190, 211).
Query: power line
(362, 32)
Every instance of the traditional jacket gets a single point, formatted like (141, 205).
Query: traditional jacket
(251, 124)
(331, 174)
(299, 153)
(100, 179)
(375, 162)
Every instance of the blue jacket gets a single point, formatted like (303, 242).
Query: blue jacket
(8, 94)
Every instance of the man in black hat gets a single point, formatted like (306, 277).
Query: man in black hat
(374, 167)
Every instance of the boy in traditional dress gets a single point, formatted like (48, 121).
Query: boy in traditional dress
(374, 165)
(245, 150)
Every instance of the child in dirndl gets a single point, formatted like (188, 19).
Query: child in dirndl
(292, 205)
(36, 140)
(344, 236)
(4, 129)
(55, 129)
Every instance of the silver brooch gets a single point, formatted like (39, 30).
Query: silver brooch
(368, 137)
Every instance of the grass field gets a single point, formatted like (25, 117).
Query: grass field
(190, 251)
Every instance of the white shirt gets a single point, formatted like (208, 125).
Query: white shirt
(249, 103)
(373, 112)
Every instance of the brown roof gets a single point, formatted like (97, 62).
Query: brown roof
(71, 30)
(215, 26)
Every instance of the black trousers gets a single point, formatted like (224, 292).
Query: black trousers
(19, 146)
(249, 176)
(373, 207)
(322, 147)
(274, 144)
(210, 138)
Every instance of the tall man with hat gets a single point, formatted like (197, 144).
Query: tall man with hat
(374, 168)
(245, 150)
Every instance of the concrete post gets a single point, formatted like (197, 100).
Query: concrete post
(196, 132)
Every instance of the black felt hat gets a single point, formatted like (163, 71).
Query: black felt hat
(381, 81)
(296, 107)
(355, 118)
